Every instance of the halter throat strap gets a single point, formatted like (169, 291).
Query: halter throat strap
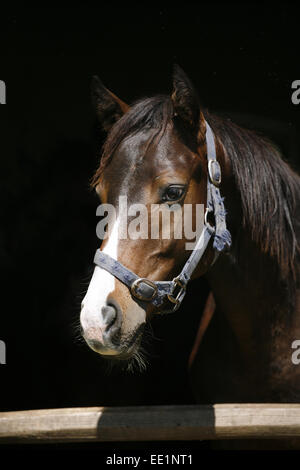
(161, 293)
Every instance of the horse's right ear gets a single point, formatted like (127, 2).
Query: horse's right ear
(109, 107)
(185, 101)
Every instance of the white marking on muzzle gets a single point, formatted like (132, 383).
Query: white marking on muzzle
(101, 285)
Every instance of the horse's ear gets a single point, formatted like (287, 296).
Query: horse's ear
(185, 100)
(109, 107)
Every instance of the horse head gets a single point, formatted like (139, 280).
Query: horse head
(155, 155)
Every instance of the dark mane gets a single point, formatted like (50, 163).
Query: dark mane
(268, 188)
(269, 191)
(148, 113)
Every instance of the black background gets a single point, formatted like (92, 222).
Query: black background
(242, 59)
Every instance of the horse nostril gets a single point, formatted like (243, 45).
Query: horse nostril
(109, 314)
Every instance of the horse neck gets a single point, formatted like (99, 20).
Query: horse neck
(248, 270)
(261, 308)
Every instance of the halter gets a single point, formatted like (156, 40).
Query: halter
(159, 292)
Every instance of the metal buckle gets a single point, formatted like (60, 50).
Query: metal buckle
(215, 182)
(180, 294)
(135, 285)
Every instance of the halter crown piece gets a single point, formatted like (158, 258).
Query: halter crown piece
(159, 293)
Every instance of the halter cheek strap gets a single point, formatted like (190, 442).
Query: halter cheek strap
(173, 292)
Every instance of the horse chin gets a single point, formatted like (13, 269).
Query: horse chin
(128, 353)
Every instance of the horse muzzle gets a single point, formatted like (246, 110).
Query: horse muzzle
(102, 336)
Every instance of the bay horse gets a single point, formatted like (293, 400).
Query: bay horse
(157, 150)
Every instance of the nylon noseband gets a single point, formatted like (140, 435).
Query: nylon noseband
(160, 292)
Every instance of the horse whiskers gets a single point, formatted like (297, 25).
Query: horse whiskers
(77, 331)
(138, 362)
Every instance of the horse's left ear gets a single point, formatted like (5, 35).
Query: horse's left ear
(185, 100)
(109, 107)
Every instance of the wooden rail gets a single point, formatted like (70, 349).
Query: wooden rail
(151, 423)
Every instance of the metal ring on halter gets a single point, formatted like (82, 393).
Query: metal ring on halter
(182, 289)
(207, 211)
(135, 285)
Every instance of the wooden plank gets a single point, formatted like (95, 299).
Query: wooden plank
(151, 423)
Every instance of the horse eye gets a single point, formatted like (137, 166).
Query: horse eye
(173, 193)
